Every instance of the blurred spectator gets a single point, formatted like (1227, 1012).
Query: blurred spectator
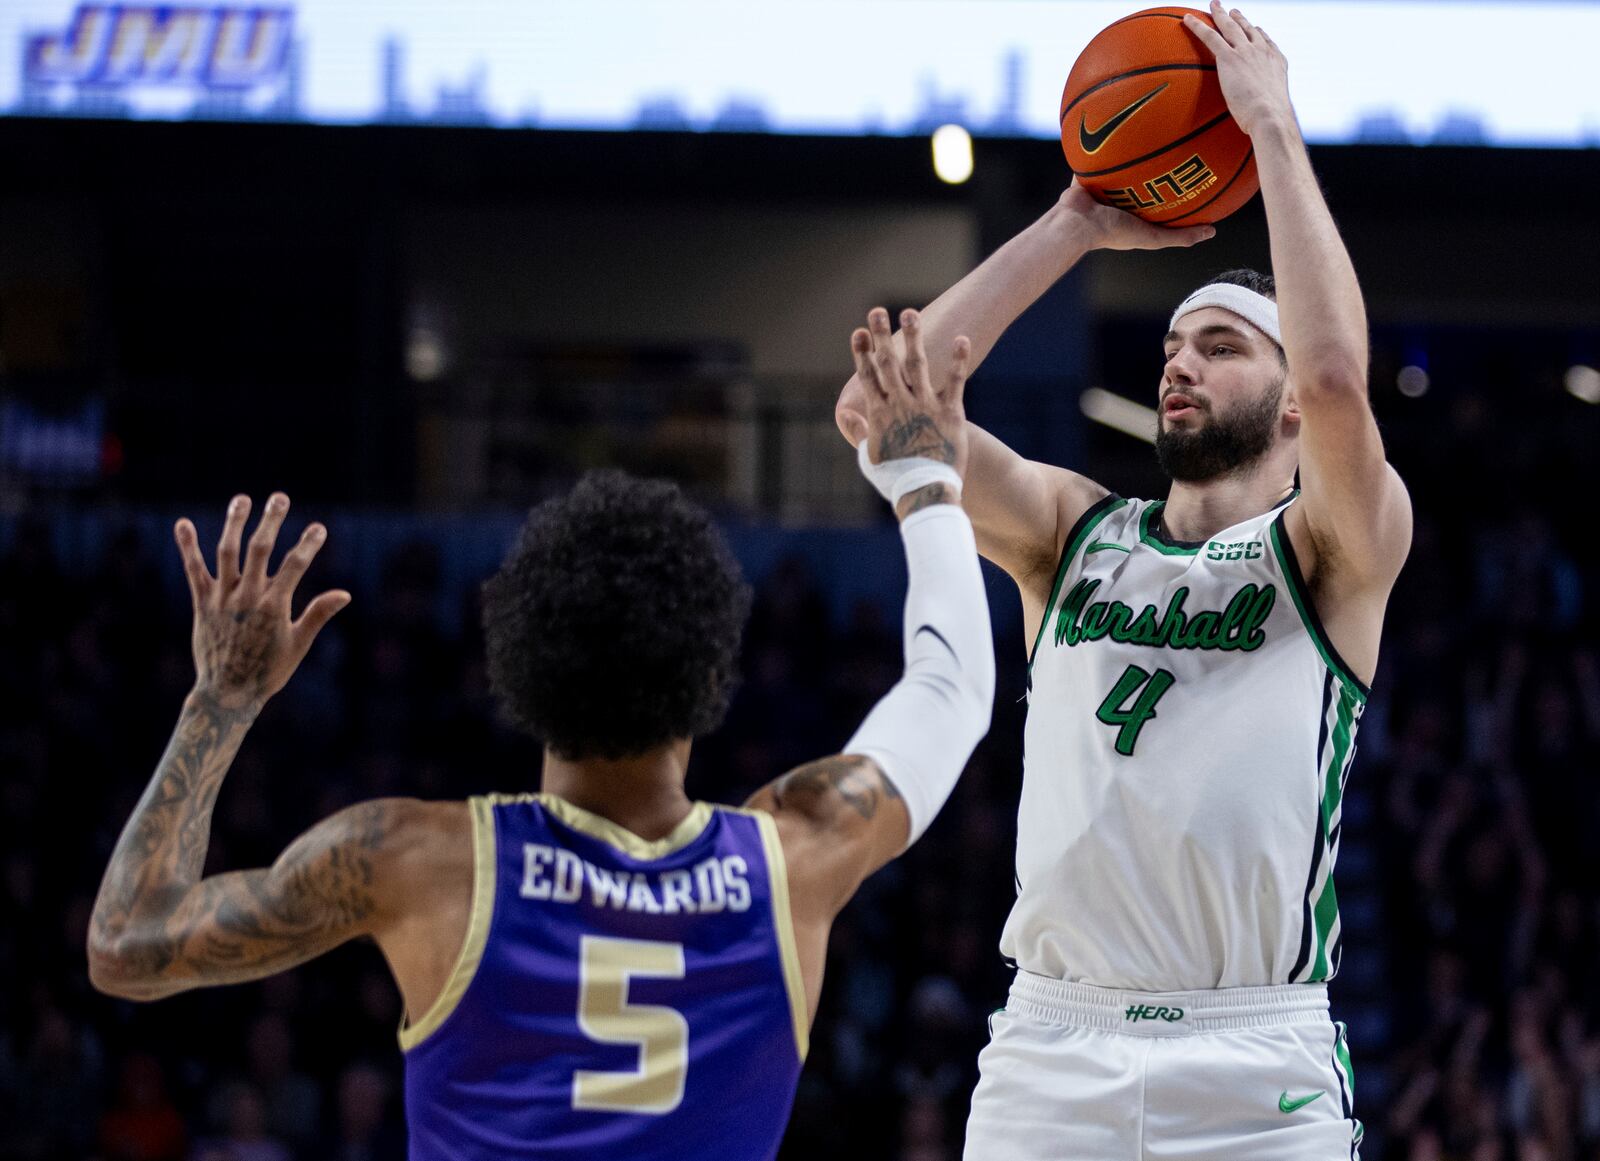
(244, 1135)
(49, 1095)
(366, 1128)
(292, 1100)
(142, 1124)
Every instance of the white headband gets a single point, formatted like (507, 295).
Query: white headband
(1256, 309)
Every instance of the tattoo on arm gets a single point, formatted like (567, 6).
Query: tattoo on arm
(248, 924)
(822, 788)
(915, 435)
(158, 927)
(924, 498)
(162, 850)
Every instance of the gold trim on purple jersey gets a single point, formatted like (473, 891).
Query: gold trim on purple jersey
(466, 965)
(783, 921)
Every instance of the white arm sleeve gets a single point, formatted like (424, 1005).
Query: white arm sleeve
(924, 729)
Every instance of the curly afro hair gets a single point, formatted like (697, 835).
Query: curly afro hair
(613, 625)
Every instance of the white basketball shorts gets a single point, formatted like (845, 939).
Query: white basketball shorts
(1078, 1073)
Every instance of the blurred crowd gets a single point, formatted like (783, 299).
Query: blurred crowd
(1490, 813)
(1477, 757)
(305, 1065)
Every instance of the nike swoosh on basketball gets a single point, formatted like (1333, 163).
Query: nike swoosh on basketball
(1285, 1105)
(1093, 139)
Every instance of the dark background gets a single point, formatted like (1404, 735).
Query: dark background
(418, 332)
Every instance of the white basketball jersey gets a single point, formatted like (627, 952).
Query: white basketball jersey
(1190, 728)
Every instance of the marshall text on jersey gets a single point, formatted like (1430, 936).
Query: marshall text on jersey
(1189, 732)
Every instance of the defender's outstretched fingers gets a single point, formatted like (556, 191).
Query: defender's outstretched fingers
(916, 364)
(866, 369)
(228, 546)
(1249, 29)
(299, 559)
(317, 614)
(194, 565)
(955, 383)
(259, 551)
(883, 353)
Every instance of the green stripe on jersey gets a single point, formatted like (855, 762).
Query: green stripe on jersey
(1151, 540)
(1087, 523)
(1325, 911)
(1308, 617)
(1341, 1051)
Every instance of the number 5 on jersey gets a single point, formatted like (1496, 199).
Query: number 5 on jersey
(1144, 689)
(606, 1015)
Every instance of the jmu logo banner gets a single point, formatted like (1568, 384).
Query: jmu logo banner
(164, 44)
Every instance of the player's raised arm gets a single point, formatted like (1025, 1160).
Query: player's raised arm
(158, 927)
(843, 817)
(1020, 508)
(1353, 519)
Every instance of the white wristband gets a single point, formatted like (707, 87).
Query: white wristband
(896, 479)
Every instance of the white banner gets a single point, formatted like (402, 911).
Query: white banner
(1417, 71)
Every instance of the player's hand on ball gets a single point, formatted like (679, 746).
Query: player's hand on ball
(1113, 229)
(1252, 70)
(912, 409)
(246, 646)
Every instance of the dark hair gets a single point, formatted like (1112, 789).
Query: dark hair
(613, 625)
(1262, 284)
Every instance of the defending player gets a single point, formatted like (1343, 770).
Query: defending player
(605, 969)
(1198, 670)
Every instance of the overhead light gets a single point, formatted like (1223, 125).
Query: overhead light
(952, 154)
(1119, 412)
(425, 355)
(1583, 383)
(1412, 381)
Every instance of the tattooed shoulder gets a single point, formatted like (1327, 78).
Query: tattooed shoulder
(823, 788)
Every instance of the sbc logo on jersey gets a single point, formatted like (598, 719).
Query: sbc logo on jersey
(1137, 1012)
(1234, 550)
(160, 44)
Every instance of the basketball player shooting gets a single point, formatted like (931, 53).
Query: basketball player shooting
(1198, 670)
(605, 969)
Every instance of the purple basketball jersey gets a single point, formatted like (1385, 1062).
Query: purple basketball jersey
(614, 997)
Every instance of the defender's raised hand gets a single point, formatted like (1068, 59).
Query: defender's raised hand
(246, 646)
(907, 416)
(1252, 70)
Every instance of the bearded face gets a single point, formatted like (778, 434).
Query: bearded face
(1221, 398)
(1220, 443)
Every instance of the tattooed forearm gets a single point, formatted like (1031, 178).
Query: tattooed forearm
(162, 851)
(924, 498)
(158, 927)
(823, 787)
(915, 435)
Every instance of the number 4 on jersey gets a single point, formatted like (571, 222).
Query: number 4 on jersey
(1131, 719)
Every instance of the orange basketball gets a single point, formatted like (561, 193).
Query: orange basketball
(1145, 128)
